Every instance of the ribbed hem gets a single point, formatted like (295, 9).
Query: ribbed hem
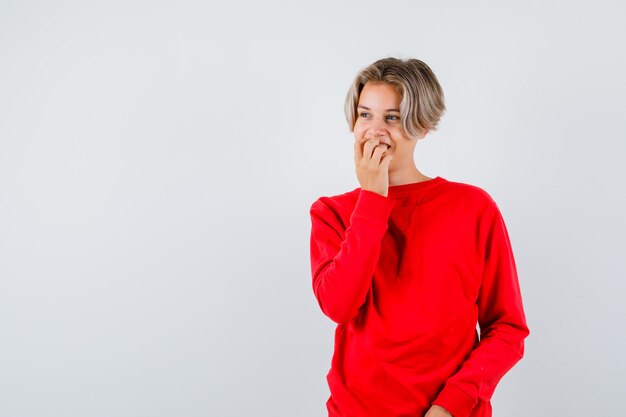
(455, 400)
(414, 187)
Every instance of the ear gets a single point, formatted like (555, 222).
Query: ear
(422, 135)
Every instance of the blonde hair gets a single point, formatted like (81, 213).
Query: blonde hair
(422, 103)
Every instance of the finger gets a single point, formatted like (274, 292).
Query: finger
(358, 149)
(378, 141)
(361, 148)
(370, 146)
(378, 152)
(386, 161)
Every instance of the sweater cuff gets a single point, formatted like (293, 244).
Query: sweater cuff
(455, 400)
(373, 207)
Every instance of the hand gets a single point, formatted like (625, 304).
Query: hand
(437, 411)
(372, 164)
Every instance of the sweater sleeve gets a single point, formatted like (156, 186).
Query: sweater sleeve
(343, 262)
(502, 322)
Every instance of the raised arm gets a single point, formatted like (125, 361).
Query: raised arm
(502, 323)
(343, 262)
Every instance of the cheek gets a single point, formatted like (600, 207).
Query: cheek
(399, 135)
(358, 130)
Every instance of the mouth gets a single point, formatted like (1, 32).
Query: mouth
(384, 143)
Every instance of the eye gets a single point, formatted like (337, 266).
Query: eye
(365, 114)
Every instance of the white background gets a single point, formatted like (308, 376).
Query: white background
(158, 160)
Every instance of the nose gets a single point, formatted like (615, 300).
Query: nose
(377, 128)
(377, 131)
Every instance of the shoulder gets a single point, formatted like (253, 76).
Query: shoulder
(470, 194)
(337, 202)
(334, 210)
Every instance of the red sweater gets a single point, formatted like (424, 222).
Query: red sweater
(407, 278)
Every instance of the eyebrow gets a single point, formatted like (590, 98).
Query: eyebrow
(367, 108)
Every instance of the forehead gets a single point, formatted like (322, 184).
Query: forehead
(379, 95)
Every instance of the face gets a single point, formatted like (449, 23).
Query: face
(378, 115)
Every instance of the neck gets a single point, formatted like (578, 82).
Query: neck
(406, 175)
